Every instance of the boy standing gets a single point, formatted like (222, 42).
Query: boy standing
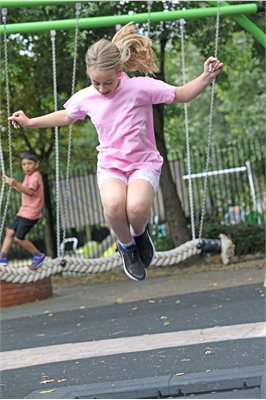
(29, 213)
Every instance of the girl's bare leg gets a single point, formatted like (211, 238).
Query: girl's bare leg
(114, 199)
(140, 195)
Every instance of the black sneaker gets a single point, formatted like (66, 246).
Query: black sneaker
(133, 266)
(145, 247)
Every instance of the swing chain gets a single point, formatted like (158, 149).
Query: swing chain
(182, 23)
(56, 132)
(149, 8)
(208, 151)
(67, 188)
(4, 18)
(190, 188)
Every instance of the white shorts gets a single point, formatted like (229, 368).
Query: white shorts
(152, 176)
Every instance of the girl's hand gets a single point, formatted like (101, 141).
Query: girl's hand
(213, 67)
(19, 118)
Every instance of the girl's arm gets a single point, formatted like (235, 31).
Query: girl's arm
(58, 118)
(187, 92)
(17, 185)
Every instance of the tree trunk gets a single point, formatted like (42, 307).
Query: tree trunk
(49, 235)
(174, 213)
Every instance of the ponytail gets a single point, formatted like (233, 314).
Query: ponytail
(128, 49)
(135, 49)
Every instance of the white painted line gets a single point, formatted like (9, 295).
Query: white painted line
(75, 351)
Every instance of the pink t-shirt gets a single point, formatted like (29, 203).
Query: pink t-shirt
(31, 206)
(124, 121)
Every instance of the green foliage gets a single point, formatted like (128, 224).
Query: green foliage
(240, 94)
(161, 243)
(248, 239)
(240, 88)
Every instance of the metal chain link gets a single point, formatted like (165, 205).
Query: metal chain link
(208, 151)
(4, 19)
(67, 189)
(56, 132)
(149, 7)
(190, 188)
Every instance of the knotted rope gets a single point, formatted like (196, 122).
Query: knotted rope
(93, 265)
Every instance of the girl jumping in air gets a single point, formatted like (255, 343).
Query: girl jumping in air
(120, 107)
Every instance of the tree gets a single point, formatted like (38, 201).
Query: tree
(175, 216)
(31, 83)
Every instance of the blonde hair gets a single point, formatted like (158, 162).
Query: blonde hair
(127, 49)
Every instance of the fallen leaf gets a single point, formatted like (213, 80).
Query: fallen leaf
(209, 351)
(60, 380)
(47, 391)
(180, 373)
(166, 323)
(134, 308)
(118, 300)
(47, 381)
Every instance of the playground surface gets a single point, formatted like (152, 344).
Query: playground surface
(185, 329)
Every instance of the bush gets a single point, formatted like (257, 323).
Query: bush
(248, 239)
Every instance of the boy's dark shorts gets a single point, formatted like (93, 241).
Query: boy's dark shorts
(22, 226)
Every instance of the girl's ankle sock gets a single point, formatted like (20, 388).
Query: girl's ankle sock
(126, 245)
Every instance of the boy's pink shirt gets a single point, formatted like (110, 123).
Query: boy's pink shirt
(124, 121)
(31, 206)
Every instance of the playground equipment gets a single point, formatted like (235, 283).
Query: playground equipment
(161, 258)
(236, 11)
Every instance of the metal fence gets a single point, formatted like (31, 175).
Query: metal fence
(235, 193)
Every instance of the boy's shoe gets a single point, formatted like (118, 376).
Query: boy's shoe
(133, 266)
(3, 262)
(145, 247)
(37, 261)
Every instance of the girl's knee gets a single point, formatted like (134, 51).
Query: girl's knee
(138, 209)
(114, 208)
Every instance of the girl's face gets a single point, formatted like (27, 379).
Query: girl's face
(105, 82)
(29, 166)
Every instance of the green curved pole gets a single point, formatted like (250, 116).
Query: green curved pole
(247, 24)
(234, 11)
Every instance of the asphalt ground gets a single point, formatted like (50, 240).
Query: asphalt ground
(90, 336)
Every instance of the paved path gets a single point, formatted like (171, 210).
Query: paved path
(182, 325)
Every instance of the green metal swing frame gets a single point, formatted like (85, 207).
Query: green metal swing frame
(237, 12)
